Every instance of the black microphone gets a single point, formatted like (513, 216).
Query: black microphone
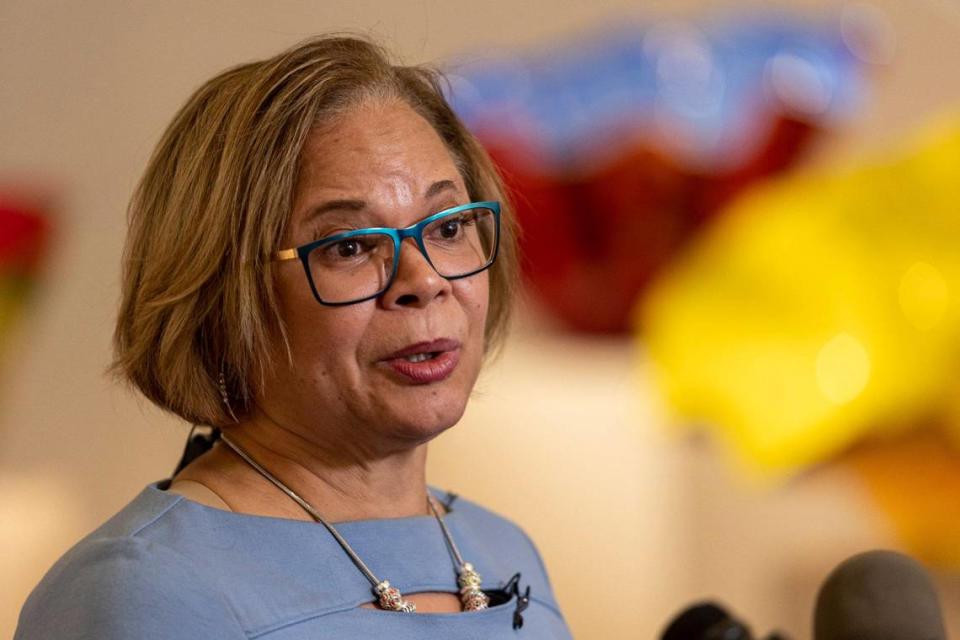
(878, 595)
(708, 621)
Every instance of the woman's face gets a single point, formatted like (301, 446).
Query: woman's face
(357, 374)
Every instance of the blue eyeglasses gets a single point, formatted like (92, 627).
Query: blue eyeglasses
(359, 265)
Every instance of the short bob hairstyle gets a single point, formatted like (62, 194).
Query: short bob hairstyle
(197, 299)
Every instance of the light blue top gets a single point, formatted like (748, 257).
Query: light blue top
(167, 567)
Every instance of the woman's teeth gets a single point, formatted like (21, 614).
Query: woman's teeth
(420, 357)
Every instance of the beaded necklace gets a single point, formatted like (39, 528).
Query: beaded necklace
(472, 598)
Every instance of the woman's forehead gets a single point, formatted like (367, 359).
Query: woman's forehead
(374, 141)
(384, 154)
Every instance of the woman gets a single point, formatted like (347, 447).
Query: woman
(319, 259)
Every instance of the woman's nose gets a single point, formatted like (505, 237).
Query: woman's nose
(417, 283)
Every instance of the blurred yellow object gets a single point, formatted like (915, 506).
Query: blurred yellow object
(818, 308)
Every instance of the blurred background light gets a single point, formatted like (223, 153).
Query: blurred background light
(843, 368)
(868, 32)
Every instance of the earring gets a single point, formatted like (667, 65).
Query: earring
(222, 383)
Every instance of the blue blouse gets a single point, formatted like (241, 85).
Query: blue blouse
(168, 567)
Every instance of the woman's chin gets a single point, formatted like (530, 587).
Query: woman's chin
(422, 421)
(423, 411)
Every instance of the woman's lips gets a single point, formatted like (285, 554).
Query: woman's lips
(442, 358)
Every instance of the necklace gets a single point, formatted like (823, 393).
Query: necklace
(389, 597)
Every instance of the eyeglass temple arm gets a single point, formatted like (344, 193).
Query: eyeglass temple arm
(285, 254)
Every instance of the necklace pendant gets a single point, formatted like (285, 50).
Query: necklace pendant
(392, 600)
(471, 596)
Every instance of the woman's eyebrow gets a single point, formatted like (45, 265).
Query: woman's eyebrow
(434, 189)
(334, 205)
(439, 187)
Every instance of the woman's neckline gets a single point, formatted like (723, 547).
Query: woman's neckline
(443, 497)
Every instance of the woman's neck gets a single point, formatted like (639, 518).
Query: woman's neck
(343, 480)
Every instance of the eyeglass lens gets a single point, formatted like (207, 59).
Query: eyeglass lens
(360, 266)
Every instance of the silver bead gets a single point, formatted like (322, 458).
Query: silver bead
(392, 600)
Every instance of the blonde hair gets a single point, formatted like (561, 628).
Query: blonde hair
(197, 293)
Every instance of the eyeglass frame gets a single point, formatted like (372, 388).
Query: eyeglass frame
(398, 235)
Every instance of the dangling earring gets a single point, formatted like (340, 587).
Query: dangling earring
(222, 383)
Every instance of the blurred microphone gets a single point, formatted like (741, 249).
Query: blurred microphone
(878, 595)
(708, 621)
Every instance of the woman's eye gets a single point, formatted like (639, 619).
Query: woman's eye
(450, 228)
(347, 248)
(456, 227)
